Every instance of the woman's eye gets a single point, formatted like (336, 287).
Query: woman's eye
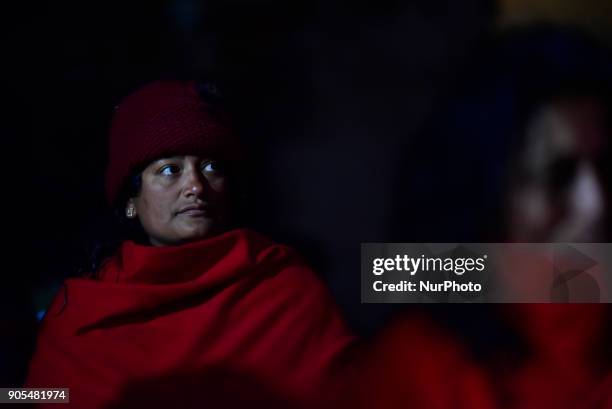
(211, 166)
(169, 170)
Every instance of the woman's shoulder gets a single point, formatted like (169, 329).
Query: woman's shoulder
(288, 274)
(264, 249)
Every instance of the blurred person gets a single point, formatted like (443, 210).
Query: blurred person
(559, 191)
(521, 153)
(557, 170)
(524, 143)
(183, 307)
(556, 189)
(559, 179)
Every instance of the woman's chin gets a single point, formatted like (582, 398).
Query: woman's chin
(199, 229)
(187, 231)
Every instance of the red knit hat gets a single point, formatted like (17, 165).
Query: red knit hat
(163, 118)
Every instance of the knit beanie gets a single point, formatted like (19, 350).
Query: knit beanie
(164, 118)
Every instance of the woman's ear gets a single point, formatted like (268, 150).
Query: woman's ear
(130, 209)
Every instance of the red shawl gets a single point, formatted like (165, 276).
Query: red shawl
(416, 364)
(219, 322)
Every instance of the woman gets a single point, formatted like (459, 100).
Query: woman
(521, 154)
(190, 311)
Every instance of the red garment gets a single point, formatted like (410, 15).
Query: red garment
(413, 363)
(568, 356)
(227, 320)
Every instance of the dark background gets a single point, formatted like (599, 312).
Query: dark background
(328, 95)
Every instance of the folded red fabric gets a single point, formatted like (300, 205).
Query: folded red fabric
(223, 321)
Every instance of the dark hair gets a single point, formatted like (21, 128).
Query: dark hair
(114, 229)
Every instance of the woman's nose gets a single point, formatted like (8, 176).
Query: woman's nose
(194, 185)
(587, 193)
(586, 207)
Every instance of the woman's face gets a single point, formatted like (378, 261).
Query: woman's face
(181, 199)
(562, 193)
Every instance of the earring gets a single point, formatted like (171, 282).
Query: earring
(130, 212)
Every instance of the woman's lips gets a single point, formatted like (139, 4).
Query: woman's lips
(195, 211)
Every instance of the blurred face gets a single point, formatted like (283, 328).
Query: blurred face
(181, 199)
(558, 192)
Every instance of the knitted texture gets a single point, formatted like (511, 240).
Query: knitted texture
(161, 119)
